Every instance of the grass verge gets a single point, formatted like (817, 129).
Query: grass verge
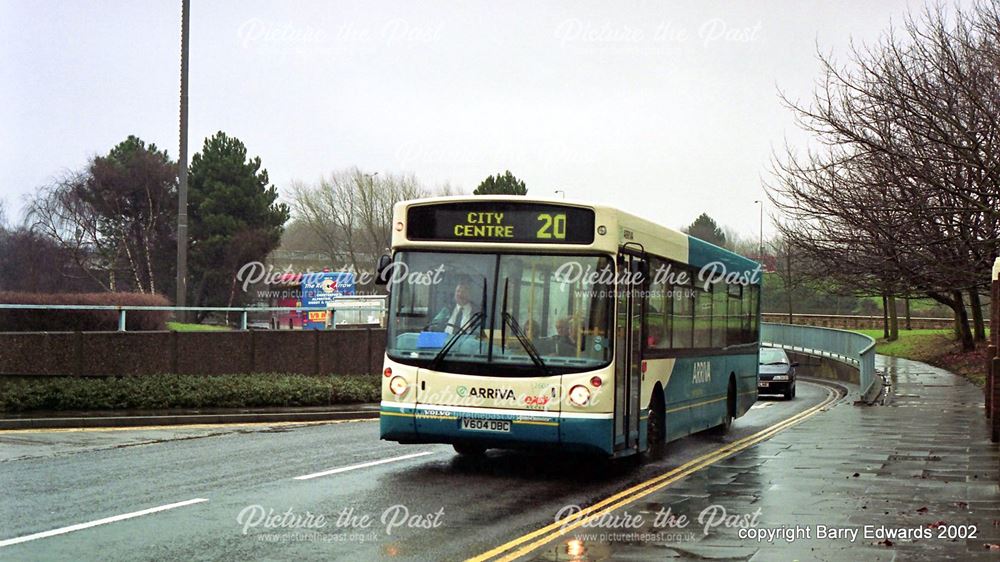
(935, 347)
(26, 394)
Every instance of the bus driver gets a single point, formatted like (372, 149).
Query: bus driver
(457, 316)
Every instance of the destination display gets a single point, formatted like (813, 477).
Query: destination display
(490, 221)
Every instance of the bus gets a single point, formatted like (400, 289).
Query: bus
(516, 322)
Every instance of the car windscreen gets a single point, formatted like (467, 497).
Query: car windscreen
(772, 356)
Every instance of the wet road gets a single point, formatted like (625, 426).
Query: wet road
(326, 491)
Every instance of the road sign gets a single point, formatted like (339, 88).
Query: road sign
(319, 290)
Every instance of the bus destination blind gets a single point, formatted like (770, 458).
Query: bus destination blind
(530, 223)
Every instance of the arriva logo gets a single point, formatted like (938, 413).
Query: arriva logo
(493, 393)
(702, 372)
(487, 393)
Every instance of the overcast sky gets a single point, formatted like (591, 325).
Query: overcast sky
(667, 109)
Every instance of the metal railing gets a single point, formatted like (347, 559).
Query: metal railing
(359, 308)
(840, 345)
(856, 321)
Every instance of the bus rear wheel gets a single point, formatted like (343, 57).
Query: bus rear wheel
(467, 450)
(727, 422)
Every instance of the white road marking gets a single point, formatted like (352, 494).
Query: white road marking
(362, 465)
(759, 405)
(106, 520)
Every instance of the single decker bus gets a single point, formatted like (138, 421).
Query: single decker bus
(516, 322)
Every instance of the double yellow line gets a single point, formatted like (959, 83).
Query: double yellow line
(525, 544)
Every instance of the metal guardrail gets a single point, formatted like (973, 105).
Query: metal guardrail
(840, 345)
(878, 318)
(354, 304)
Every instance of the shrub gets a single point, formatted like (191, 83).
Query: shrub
(81, 320)
(25, 394)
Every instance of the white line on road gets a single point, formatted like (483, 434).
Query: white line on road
(362, 465)
(71, 528)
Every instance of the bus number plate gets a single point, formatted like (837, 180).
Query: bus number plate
(473, 424)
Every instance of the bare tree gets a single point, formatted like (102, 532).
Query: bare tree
(114, 217)
(447, 189)
(58, 215)
(902, 194)
(350, 212)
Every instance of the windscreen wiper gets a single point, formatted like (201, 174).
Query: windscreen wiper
(476, 318)
(503, 325)
(529, 347)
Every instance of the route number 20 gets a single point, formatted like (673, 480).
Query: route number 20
(553, 226)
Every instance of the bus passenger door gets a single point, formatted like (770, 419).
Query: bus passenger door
(628, 364)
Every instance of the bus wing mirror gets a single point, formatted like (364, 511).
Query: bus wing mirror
(382, 269)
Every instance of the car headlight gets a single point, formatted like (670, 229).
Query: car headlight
(780, 378)
(579, 395)
(398, 386)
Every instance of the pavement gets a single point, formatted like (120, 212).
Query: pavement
(921, 463)
(914, 479)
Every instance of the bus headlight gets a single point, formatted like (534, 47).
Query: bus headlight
(398, 386)
(579, 395)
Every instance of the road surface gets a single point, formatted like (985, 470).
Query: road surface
(329, 491)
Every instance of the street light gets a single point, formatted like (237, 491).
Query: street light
(182, 165)
(560, 191)
(760, 248)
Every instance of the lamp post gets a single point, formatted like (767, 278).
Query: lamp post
(182, 183)
(560, 191)
(760, 247)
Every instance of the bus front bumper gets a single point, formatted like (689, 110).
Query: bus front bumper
(585, 433)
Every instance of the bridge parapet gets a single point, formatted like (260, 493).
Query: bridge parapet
(855, 349)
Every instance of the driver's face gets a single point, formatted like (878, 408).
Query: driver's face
(462, 295)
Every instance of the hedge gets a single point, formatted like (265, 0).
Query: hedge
(25, 394)
(81, 320)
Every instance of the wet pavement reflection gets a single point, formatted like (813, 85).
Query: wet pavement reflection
(913, 479)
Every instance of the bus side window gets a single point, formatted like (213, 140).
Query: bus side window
(735, 333)
(703, 318)
(719, 323)
(683, 312)
(658, 307)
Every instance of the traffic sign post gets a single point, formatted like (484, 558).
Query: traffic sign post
(992, 361)
(994, 334)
